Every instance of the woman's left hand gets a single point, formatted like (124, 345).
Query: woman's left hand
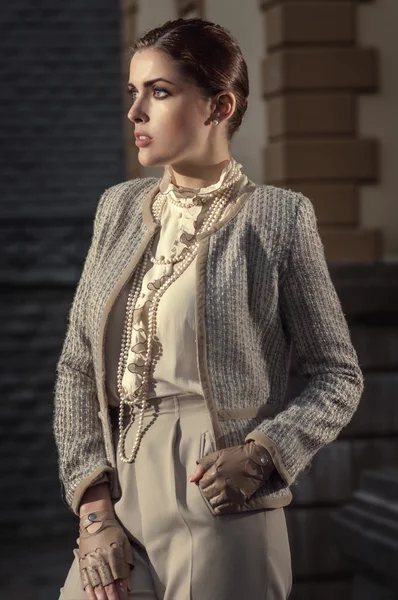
(229, 477)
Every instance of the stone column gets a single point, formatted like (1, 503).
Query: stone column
(311, 78)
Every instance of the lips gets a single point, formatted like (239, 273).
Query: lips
(144, 142)
(138, 134)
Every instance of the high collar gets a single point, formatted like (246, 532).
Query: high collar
(181, 193)
(244, 193)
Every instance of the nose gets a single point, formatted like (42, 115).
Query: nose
(136, 115)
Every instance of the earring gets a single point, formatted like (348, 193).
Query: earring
(216, 120)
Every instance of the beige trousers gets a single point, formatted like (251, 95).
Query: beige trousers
(181, 550)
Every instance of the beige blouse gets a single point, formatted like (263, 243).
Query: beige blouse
(174, 368)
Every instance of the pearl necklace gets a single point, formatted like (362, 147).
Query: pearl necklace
(195, 202)
(213, 215)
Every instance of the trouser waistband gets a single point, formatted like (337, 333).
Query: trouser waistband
(166, 403)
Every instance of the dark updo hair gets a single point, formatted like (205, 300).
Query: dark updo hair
(207, 55)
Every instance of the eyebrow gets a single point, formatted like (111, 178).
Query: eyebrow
(150, 82)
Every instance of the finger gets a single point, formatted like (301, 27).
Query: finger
(217, 500)
(90, 576)
(95, 593)
(122, 587)
(90, 592)
(198, 473)
(94, 588)
(111, 591)
(227, 508)
(207, 461)
(117, 590)
(105, 573)
(222, 504)
(210, 484)
(209, 476)
(100, 593)
(229, 495)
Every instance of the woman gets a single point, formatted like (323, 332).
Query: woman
(176, 357)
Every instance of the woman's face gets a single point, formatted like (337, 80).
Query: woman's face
(173, 113)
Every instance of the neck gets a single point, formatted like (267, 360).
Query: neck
(197, 176)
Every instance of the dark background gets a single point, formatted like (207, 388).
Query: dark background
(62, 146)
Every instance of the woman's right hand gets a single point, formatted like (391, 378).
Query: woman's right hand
(105, 556)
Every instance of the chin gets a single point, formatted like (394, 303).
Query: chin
(148, 161)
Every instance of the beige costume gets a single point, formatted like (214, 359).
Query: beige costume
(180, 549)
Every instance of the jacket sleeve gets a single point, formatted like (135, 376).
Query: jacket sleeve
(77, 429)
(312, 315)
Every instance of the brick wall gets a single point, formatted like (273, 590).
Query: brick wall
(62, 134)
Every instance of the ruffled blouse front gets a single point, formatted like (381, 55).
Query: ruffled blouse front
(174, 368)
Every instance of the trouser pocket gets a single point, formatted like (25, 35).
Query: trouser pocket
(206, 446)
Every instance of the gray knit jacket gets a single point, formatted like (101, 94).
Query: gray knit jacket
(262, 282)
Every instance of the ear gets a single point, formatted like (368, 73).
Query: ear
(225, 105)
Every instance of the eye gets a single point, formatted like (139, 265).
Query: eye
(132, 91)
(159, 89)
